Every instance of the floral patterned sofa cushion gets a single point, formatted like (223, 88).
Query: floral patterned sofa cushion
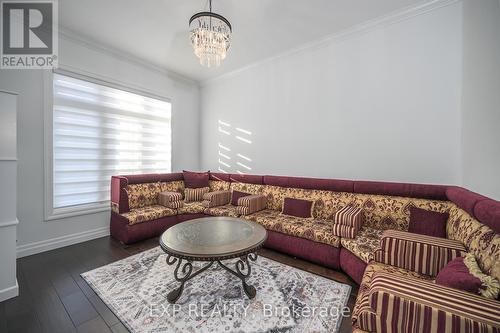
(218, 185)
(146, 194)
(142, 195)
(313, 229)
(144, 214)
(226, 210)
(194, 207)
(173, 186)
(478, 238)
(391, 212)
(266, 217)
(365, 243)
(362, 307)
(247, 188)
(326, 203)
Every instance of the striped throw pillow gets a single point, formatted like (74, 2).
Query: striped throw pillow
(195, 194)
(348, 221)
(349, 215)
(164, 198)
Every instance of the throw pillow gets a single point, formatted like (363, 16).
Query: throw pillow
(195, 194)
(348, 221)
(236, 195)
(298, 207)
(350, 216)
(463, 273)
(426, 222)
(170, 199)
(195, 179)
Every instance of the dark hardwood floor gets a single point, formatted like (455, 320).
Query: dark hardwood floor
(54, 298)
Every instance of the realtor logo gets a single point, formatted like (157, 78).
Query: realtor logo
(29, 34)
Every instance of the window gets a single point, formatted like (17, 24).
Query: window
(99, 131)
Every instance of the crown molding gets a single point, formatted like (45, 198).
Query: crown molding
(73, 36)
(400, 15)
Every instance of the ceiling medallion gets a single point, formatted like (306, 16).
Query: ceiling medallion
(210, 37)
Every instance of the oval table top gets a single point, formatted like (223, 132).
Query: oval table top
(213, 238)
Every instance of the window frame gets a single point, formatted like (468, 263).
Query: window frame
(51, 213)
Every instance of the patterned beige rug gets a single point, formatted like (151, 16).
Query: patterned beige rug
(287, 300)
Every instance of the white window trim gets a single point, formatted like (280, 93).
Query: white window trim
(51, 214)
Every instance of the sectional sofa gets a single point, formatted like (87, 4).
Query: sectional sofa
(396, 270)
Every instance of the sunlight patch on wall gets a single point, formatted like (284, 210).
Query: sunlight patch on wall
(244, 157)
(233, 148)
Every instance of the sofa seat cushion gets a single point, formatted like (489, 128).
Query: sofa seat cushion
(262, 216)
(312, 229)
(148, 213)
(362, 311)
(365, 243)
(193, 207)
(226, 210)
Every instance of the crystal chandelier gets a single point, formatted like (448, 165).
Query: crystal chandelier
(210, 37)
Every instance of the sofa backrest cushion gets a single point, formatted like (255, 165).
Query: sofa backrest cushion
(219, 185)
(174, 186)
(146, 194)
(141, 195)
(247, 188)
(393, 212)
(326, 203)
(478, 238)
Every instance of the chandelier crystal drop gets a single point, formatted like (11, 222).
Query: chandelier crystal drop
(210, 37)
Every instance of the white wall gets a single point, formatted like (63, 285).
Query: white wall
(382, 104)
(481, 97)
(35, 234)
(8, 176)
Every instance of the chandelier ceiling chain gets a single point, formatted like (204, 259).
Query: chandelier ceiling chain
(210, 35)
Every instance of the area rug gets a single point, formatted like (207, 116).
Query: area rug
(287, 300)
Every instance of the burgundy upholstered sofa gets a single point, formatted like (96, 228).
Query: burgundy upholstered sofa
(473, 226)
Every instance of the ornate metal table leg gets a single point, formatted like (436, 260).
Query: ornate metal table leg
(187, 272)
(242, 265)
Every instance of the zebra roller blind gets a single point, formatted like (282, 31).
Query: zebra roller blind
(99, 131)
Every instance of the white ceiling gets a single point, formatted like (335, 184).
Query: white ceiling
(157, 30)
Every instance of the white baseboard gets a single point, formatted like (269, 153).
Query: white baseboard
(57, 242)
(10, 292)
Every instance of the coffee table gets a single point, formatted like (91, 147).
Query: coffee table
(212, 239)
